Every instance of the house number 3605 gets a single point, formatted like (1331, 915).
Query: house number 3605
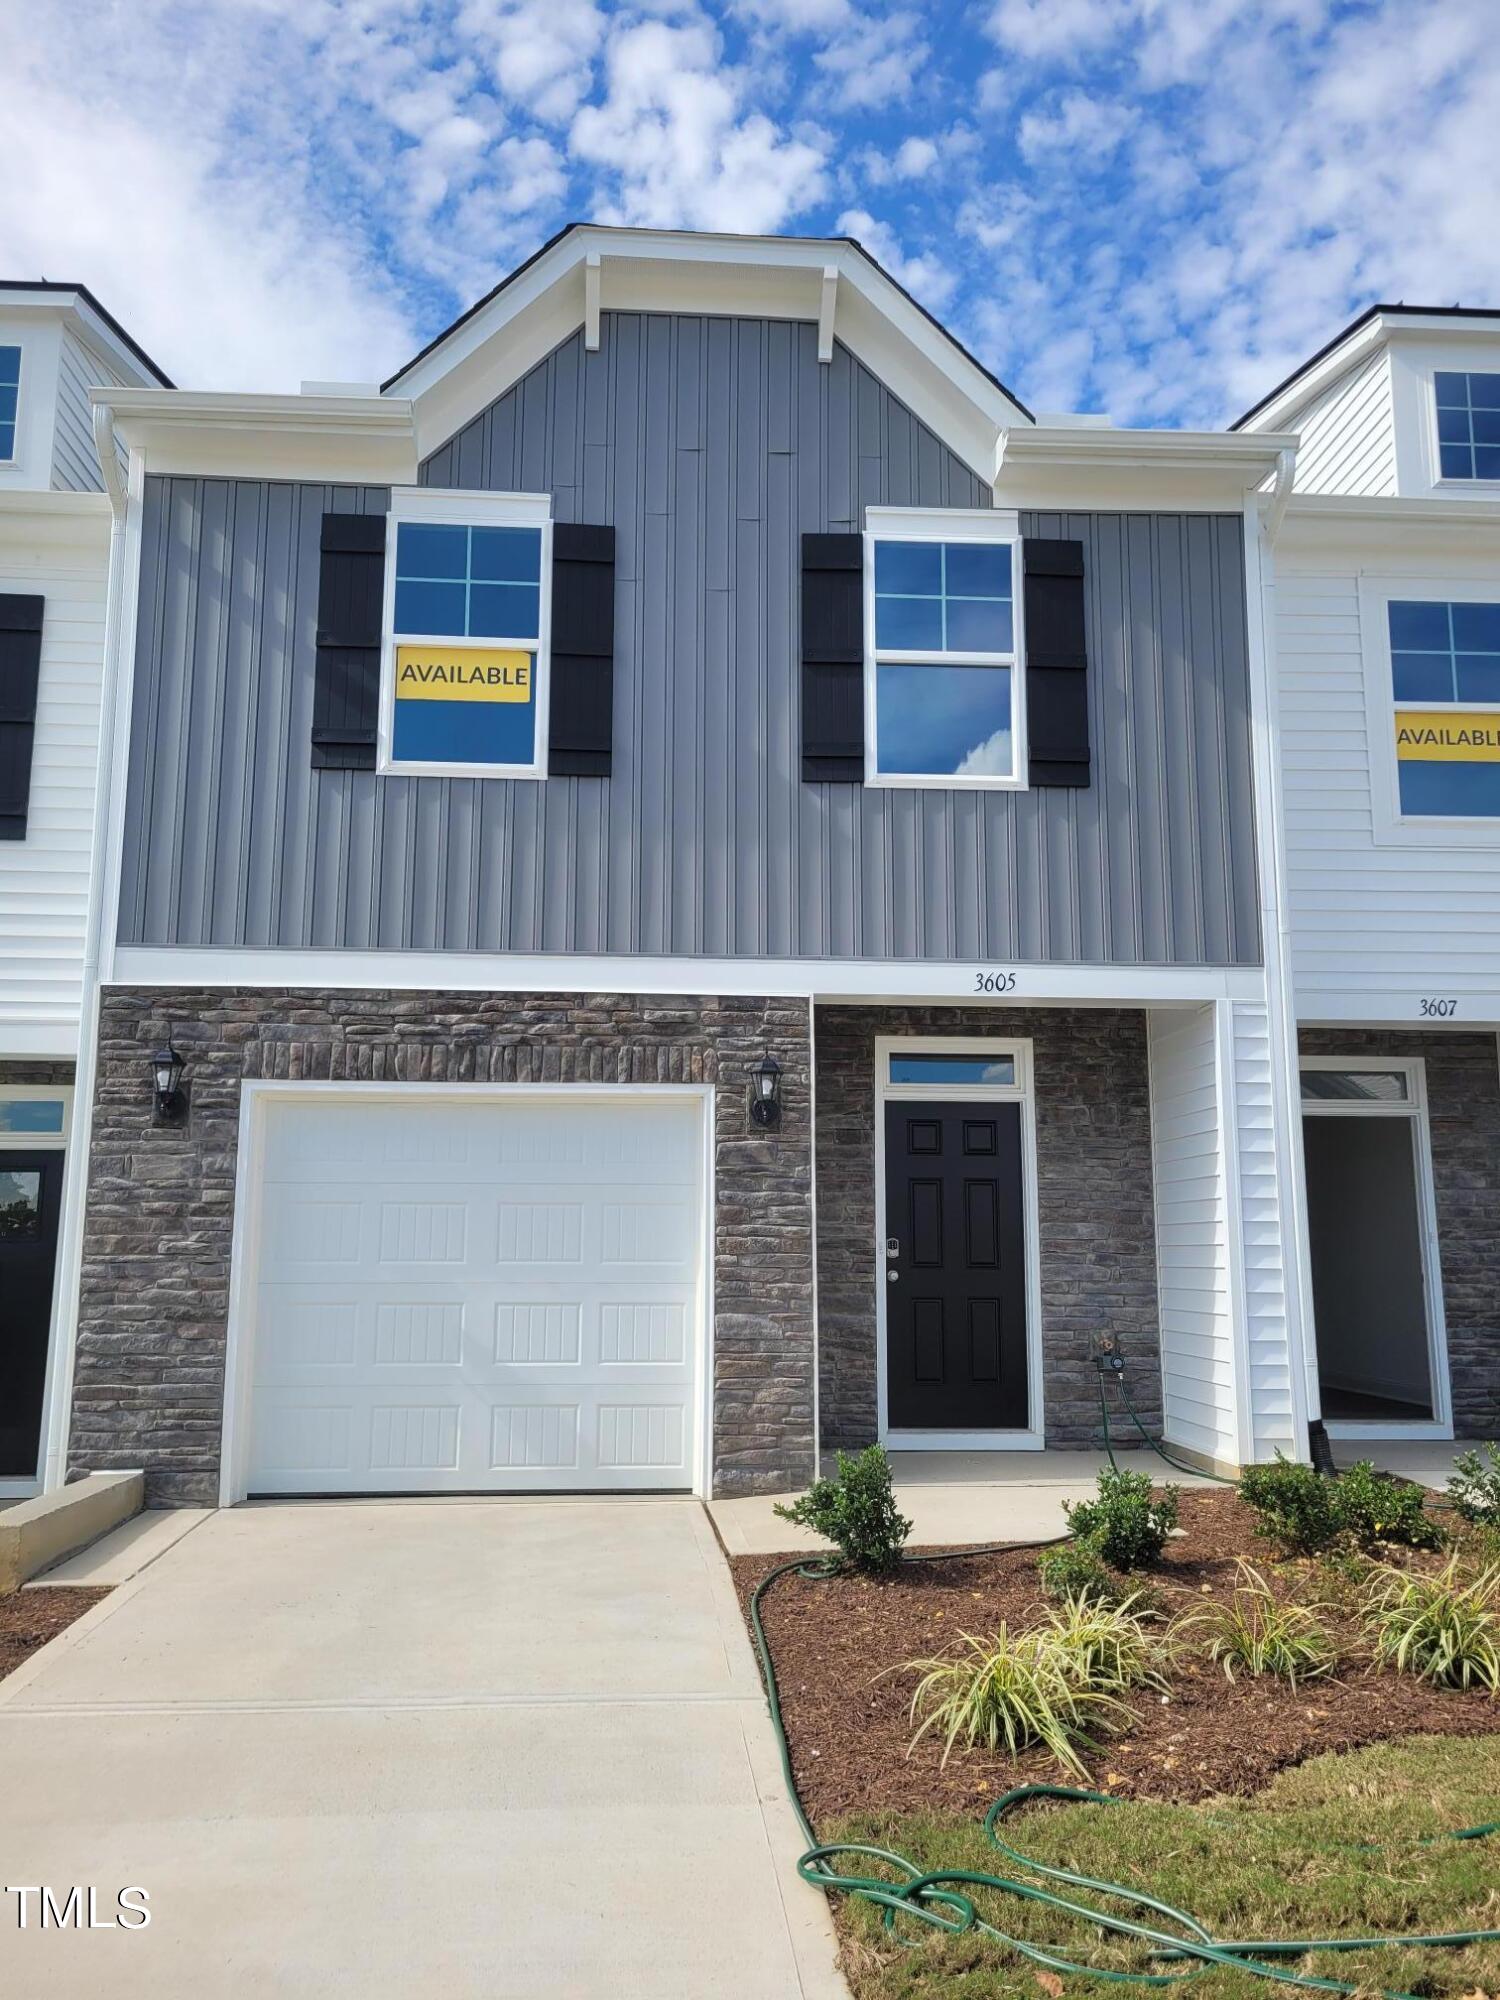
(994, 982)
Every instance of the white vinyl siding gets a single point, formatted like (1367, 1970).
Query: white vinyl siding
(75, 462)
(1348, 435)
(1192, 1234)
(1263, 1232)
(1368, 915)
(44, 879)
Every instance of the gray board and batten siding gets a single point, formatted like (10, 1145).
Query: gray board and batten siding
(711, 445)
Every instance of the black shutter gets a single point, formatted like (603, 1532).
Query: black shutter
(20, 671)
(351, 604)
(580, 723)
(1057, 681)
(833, 659)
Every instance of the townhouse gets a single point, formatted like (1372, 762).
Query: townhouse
(687, 880)
(56, 341)
(1387, 686)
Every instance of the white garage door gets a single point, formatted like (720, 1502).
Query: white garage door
(481, 1292)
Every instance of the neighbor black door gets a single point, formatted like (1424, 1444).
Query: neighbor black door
(30, 1197)
(954, 1267)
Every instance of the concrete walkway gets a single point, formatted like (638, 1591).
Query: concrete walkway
(957, 1496)
(488, 1748)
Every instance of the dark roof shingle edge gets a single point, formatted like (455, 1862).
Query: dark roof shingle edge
(1363, 319)
(125, 339)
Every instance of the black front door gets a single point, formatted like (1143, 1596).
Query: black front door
(954, 1267)
(30, 1198)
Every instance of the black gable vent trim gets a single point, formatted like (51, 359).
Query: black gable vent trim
(20, 675)
(833, 659)
(351, 605)
(581, 707)
(1057, 681)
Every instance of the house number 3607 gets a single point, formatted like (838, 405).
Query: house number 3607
(994, 982)
(1442, 1010)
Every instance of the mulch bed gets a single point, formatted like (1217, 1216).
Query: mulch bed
(29, 1618)
(849, 1728)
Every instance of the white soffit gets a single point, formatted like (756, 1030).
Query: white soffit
(591, 270)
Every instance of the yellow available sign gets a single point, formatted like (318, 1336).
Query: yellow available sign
(1447, 736)
(461, 673)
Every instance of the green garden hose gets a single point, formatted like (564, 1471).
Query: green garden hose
(939, 1898)
(1154, 1444)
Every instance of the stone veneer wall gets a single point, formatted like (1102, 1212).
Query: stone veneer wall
(1463, 1116)
(149, 1382)
(1094, 1195)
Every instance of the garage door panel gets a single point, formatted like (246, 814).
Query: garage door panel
(484, 1327)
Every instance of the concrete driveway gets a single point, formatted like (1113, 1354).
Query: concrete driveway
(394, 1748)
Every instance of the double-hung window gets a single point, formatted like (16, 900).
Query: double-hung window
(1445, 678)
(468, 588)
(944, 701)
(1468, 425)
(10, 398)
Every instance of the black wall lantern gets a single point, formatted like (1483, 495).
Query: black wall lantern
(171, 1096)
(765, 1091)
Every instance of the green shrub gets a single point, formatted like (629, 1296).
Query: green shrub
(1444, 1627)
(1074, 1571)
(1257, 1633)
(1124, 1527)
(1371, 1506)
(1474, 1488)
(856, 1511)
(1109, 1648)
(1295, 1504)
(1009, 1692)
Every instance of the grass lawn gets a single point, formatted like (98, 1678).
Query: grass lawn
(1287, 1862)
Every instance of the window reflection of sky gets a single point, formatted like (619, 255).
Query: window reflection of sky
(943, 721)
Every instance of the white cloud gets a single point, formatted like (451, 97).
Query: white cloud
(540, 52)
(1065, 30)
(671, 127)
(797, 17)
(874, 64)
(1076, 123)
(926, 277)
(990, 759)
(224, 285)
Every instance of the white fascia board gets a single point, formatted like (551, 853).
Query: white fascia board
(828, 980)
(30, 1040)
(765, 277)
(347, 439)
(1320, 528)
(1363, 1003)
(1378, 332)
(94, 331)
(1321, 375)
(1060, 466)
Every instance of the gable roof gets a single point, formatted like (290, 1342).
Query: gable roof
(106, 318)
(572, 228)
(1356, 326)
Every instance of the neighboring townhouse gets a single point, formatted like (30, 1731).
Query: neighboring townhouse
(1387, 568)
(687, 885)
(56, 342)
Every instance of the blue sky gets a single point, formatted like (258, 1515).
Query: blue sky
(1150, 208)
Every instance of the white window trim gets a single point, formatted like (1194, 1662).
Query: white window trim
(449, 507)
(943, 524)
(1391, 827)
(1444, 482)
(1414, 1069)
(32, 1093)
(12, 458)
(1021, 1092)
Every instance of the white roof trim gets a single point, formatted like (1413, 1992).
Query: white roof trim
(89, 326)
(776, 277)
(1364, 340)
(359, 439)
